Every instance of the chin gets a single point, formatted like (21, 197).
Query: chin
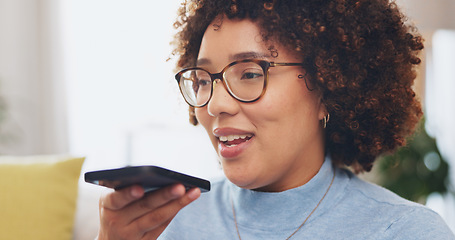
(242, 180)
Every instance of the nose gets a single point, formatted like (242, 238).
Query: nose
(221, 101)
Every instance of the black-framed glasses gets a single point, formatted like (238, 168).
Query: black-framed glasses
(245, 80)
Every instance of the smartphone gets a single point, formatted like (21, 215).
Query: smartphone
(149, 177)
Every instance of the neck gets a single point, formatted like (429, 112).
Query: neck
(297, 177)
(298, 174)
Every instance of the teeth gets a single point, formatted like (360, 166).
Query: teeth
(233, 137)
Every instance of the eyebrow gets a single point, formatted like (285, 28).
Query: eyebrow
(236, 57)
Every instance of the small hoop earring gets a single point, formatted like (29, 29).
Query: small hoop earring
(325, 120)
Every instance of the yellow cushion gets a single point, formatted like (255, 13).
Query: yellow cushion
(38, 196)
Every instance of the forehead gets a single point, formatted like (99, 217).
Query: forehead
(226, 40)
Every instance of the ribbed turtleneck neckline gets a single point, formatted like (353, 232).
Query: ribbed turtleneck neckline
(292, 206)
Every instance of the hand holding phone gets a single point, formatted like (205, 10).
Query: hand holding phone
(129, 213)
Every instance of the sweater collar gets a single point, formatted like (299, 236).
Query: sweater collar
(259, 209)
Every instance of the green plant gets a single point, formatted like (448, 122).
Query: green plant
(416, 170)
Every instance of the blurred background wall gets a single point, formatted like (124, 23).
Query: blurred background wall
(31, 82)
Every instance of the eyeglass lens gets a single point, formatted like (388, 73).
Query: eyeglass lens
(244, 81)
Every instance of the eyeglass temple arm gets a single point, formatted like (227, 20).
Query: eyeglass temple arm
(274, 64)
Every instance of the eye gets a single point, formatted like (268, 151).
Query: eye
(203, 82)
(251, 74)
(202, 79)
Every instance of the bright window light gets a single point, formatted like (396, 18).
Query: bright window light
(124, 106)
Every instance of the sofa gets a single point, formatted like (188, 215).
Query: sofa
(45, 197)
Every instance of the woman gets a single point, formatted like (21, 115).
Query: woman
(289, 93)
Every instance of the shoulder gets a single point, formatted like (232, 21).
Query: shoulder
(419, 223)
(372, 192)
(393, 215)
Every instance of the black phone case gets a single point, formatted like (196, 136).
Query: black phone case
(149, 177)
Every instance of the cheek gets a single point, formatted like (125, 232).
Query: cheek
(290, 106)
(205, 120)
(199, 115)
(280, 103)
(203, 117)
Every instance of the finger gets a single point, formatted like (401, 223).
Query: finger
(152, 235)
(154, 200)
(121, 198)
(164, 214)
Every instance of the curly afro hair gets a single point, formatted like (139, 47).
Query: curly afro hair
(359, 54)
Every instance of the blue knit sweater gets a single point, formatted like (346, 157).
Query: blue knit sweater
(352, 209)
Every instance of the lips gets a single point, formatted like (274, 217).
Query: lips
(232, 142)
